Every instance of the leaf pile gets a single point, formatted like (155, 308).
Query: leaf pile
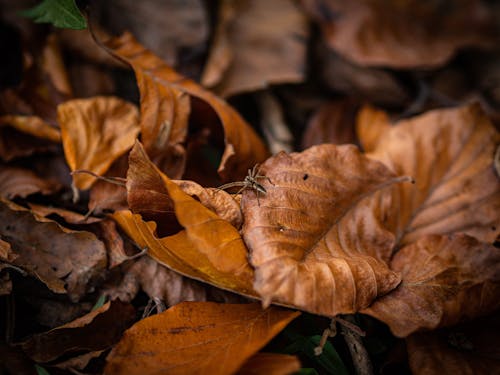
(112, 149)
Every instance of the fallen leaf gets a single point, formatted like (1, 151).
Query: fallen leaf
(66, 261)
(20, 182)
(79, 362)
(450, 154)
(32, 125)
(445, 280)
(178, 340)
(270, 364)
(97, 330)
(243, 147)
(68, 216)
(371, 124)
(95, 132)
(403, 35)
(312, 238)
(257, 44)
(15, 144)
(468, 349)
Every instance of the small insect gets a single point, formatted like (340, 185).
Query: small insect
(250, 182)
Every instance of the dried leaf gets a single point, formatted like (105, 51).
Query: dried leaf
(449, 153)
(20, 182)
(313, 238)
(68, 216)
(257, 44)
(469, 349)
(403, 35)
(270, 364)
(197, 338)
(371, 124)
(32, 125)
(15, 144)
(66, 261)
(445, 280)
(243, 146)
(97, 330)
(95, 132)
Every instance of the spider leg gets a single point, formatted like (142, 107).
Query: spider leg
(267, 178)
(230, 185)
(257, 192)
(243, 188)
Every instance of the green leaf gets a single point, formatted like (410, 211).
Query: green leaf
(60, 13)
(41, 371)
(100, 302)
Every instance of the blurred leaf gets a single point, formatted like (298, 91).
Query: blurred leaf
(41, 371)
(60, 13)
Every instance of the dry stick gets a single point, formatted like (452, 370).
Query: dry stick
(359, 355)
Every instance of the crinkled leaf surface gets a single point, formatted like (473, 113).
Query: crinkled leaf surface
(197, 338)
(313, 239)
(445, 280)
(66, 261)
(243, 147)
(469, 349)
(95, 132)
(257, 43)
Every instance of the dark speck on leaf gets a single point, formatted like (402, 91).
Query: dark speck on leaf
(306, 176)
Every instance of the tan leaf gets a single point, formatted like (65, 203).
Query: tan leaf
(445, 280)
(449, 153)
(20, 182)
(66, 261)
(270, 364)
(32, 125)
(468, 349)
(243, 146)
(95, 132)
(197, 338)
(403, 35)
(313, 240)
(97, 330)
(257, 44)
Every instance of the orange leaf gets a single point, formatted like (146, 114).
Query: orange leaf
(270, 364)
(34, 126)
(95, 132)
(450, 154)
(445, 280)
(313, 239)
(243, 147)
(196, 338)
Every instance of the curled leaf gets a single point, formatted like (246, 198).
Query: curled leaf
(197, 338)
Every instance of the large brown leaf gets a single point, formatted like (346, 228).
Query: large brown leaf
(450, 154)
(66, 261)
(313, 239)
(95, 132)
(257, 43)
(243, 146)
(197, 338)
(403, 35)
(445, 280)
(468, 349)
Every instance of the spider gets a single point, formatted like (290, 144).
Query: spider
(250, 182)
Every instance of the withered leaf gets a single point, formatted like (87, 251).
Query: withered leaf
(445, 280)
(406, 35)
(66, 261)
(97, 330)
(21, 182)
(32, 125)
(95, 132)
(243, 146)
(450, 154)
(468, 349)
(256, 44)
(312, 238)
(270, 364)
(197, 338)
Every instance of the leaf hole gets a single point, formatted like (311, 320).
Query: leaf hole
(305, 177)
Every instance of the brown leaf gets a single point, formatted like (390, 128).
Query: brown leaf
(66, 261)
(158, 282)
(95, 132)
(32, 125)
(20, 182)
(331, 123)
(15, 144)
(257, 44)
(449, 153)
(371, 124)
(409, 35)
(313, 238)
(469, 349)
(243, 146)
(197, 338)
(270, 364)
(68, 216)
(94, 331)
(445, 280)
